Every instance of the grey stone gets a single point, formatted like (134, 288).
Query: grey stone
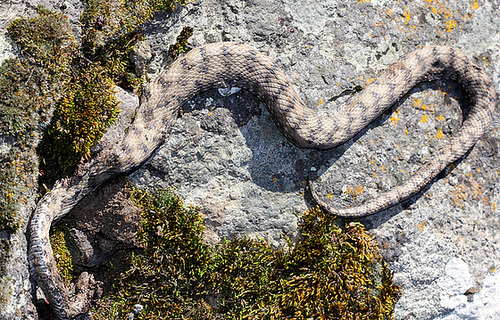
(248, 180)
(7, 48)
(83, 248)
(137, 308)
(140, 56)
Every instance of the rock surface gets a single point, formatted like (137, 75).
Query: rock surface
(226, 155)
(16, 290)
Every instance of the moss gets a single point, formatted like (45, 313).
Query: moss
(88, 107)
(330, 273)
(81, 117)
(110, 30)
(29, 85)
(17, 175)
(181, 44)
(64, 261)
(46, 41)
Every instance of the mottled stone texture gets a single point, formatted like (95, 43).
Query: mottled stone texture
(15, 287)
(226, 155)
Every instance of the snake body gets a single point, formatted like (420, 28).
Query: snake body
(228, 64)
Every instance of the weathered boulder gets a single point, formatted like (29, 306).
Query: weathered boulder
(226, 155)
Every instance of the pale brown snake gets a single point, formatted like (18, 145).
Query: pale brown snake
(228, 64)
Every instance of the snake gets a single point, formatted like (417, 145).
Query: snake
(224, 64)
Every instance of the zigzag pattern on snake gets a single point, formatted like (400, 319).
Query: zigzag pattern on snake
(228, 64)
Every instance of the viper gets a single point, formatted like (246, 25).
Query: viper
(228, 64)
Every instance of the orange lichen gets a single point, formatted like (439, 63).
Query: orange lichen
(395, 117)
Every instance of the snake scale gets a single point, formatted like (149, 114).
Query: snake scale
(227, 64)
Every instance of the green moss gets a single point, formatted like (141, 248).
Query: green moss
(31, 83)
(181, 44)
(110, 30)
(330, 273)
(29, 86)
(64, 261)
(81, 117)
(46, 41)
(88, 107)
(17, 175)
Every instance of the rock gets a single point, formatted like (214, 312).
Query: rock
(473, 305)
(248, 180)
(7, 48)
(84, 251)
(140, 56)
(455, 283)
(135, 311)
(137, 308)
(102, 224)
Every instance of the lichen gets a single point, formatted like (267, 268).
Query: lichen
(330, 273)
(5, 249)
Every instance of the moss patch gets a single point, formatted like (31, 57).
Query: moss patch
(81, 117)
(64, 261)
(330, 273)
(88, 107)
(181, 43)
(29, 85)
(110, 30)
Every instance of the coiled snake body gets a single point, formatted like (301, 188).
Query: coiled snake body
(228, 64)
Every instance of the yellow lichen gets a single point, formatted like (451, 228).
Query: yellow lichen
(406, 15)
(439, 134)
(395, 117)
(450, 25)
